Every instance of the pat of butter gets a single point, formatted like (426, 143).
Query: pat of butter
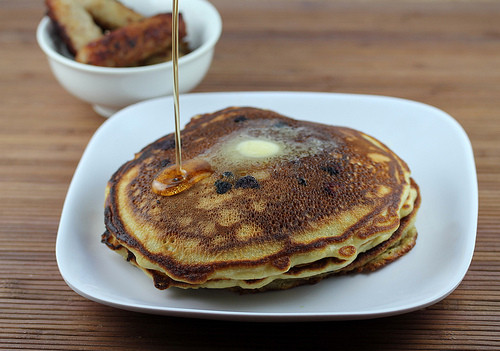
(257, 148)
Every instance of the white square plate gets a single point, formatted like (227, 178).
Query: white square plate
(432, 143)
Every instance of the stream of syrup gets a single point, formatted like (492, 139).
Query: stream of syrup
(176, 178)
(175, 74)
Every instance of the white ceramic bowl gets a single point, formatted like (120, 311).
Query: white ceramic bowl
(110, 89)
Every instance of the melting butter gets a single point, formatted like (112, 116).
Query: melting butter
(258, 148)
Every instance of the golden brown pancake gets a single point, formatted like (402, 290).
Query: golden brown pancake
(400, 243)
(326, 200)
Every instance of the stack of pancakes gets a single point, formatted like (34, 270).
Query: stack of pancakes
(318, 200)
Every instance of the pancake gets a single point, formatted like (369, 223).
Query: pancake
(286, 203)
(401, 242)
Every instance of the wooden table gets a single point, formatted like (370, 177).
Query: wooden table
(443, 53)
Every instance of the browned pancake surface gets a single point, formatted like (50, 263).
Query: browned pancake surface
(273, 212)
(400, 243)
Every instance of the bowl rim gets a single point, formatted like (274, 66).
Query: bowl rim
(193, 55)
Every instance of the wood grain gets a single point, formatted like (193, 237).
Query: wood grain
(440, 52)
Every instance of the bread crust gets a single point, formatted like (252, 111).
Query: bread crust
(132, 44)
(73, 23)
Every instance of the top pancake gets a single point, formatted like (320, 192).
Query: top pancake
(327, 192)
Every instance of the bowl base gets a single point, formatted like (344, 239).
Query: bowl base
(105, 111)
